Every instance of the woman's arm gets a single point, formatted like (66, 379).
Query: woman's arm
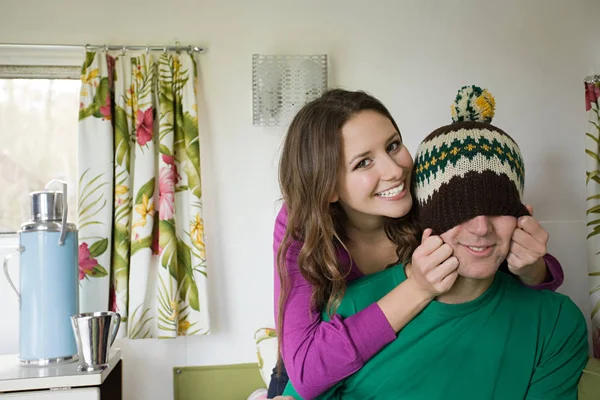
(319, 354)
(551, 276)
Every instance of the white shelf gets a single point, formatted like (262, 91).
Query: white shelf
(15, 377)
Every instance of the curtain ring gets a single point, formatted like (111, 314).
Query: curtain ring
(165, 50)
(123, 50)
(87, 48)
(147, 50)
(105, 48)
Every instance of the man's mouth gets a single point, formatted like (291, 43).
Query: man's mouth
(478, 248)
(479, 251)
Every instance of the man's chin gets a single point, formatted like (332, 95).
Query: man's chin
(477, 272)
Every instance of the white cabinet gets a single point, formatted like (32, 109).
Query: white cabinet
(62, 382)
(69, 394)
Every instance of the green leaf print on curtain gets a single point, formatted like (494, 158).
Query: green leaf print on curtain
(592, 98)
(144, 255)
(179, 176)
(95, 191)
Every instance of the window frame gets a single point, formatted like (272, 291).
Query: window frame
(38, 62)
(8, 71)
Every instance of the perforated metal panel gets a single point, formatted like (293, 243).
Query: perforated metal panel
(282, 84)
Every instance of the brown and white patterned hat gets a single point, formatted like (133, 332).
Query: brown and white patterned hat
(468, 168)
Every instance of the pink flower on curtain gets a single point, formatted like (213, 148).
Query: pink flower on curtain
(170, 160)
(144, 126)
(105, 109)
(166, 193)
(86, 262)
(592, 94)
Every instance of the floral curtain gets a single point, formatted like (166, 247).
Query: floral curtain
(141, 232)
(592, 149)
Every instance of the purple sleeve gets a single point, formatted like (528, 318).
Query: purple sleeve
(319, 354)
(555, 272)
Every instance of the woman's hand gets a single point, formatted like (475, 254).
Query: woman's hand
(434, 269)
(527, 247)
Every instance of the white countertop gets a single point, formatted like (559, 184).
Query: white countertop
(14, 376)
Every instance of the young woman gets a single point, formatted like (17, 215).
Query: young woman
(345, 179)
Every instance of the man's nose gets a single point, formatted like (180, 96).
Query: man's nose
(480, 225)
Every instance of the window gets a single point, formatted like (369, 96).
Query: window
(38, 137)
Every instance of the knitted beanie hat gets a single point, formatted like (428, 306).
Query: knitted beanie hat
(468, 168)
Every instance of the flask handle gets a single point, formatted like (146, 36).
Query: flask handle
(63, 228)
(7, 258)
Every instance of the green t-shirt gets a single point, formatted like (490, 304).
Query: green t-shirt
(512, 342)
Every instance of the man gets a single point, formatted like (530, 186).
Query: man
(489, 337)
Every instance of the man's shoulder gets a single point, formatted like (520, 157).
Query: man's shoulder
(367, 290)
(547, 305)
(516, 289)
(384, 279)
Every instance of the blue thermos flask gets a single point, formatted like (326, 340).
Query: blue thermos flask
(49, 280)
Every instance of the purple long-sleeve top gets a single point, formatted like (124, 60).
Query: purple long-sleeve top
(319, 354)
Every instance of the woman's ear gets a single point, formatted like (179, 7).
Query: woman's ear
(334, 197)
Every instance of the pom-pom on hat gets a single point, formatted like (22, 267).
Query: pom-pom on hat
(468, 168)
(473, 103)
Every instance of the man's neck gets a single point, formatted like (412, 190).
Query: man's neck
(465, 290)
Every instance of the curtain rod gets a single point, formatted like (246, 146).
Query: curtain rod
(592, 79)
(105, 47)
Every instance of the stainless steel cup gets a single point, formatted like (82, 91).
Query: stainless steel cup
(94, 334)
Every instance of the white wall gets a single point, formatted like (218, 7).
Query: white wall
(413, 55)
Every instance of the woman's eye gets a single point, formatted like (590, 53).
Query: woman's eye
(364, 163)
(394, 146)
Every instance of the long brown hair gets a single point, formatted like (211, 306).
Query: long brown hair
(308, 176)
